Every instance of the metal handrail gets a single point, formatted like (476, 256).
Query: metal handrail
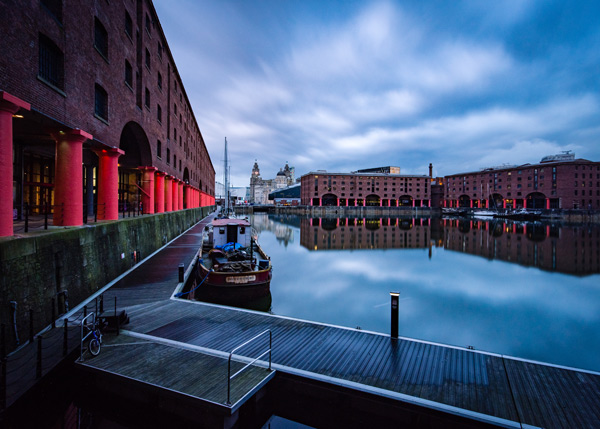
(231, 377)
(83, 338)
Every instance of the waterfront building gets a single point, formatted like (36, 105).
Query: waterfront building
(366, 188)
(261, 188)
(556, 182)
(94, 115)
(289, 196)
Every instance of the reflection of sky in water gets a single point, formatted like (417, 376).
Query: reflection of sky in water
(452, 298)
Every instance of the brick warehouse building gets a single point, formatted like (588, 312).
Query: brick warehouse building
(380, 187)
(94, 113)
(556, 182)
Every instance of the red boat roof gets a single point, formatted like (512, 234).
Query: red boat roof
(225, 222)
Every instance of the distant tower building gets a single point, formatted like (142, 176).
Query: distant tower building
(261, 188)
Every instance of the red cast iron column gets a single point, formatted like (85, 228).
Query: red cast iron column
(108, 183)
(68, 177)
(180, 194)
(148, 188)
(175, 194)
(168, 194)
(159, 192)
(187, 193)
(9, 105)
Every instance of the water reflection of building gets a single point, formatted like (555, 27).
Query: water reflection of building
(570, 250)
(276, 225)
(352, 233)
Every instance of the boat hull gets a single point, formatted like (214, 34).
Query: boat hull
(239, 285)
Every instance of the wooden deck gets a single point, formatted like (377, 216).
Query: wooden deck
(486, 387)
(178, 368)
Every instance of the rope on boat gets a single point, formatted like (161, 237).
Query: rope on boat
(180, 294)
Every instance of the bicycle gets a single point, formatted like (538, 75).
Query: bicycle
(95, 342)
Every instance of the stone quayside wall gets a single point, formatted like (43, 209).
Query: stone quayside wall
(81, 260)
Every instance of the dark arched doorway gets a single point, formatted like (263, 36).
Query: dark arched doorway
(134, 143)
(496, 201)
(536, 200)
(405, 201)
(373, 201)
(329, 200)
(464, 201)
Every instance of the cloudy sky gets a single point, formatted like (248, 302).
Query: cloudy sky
(344, 85)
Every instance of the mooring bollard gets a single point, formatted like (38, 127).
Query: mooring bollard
(181, 271)
(394, 322)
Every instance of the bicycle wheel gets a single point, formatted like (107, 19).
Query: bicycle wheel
(94, 347)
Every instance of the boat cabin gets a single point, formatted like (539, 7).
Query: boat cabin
(231, 231)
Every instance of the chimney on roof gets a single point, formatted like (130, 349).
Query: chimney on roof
(430, 170)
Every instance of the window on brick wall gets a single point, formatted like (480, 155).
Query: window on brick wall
(54, 7)
(148, 23)
(148, 58)
(128, 25)
(159, 113)
(100, 38)
(128, 74)
(160, 50)
(158, 149)
(147, 98)
(101, 102)
(51, 63)
(159, 80)
(168, 156)
(175, 161)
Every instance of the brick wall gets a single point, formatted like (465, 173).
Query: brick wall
(24, 20)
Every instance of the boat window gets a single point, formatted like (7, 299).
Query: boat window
(221, 230)
(242, 229)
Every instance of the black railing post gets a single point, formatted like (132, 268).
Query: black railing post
(26, 217)
(2, 341)
(116, 317)
(66, 337)
(96, 215)
(85, 214)
(31, 325)
(96, 304)
(38, 369)
(3, 383)
(46, 216)
(53, 313)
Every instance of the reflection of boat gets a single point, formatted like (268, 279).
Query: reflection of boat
(452, 211)
(485, 214)
(521, 214)
(232, 263)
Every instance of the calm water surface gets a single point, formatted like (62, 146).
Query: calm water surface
(529, 290)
